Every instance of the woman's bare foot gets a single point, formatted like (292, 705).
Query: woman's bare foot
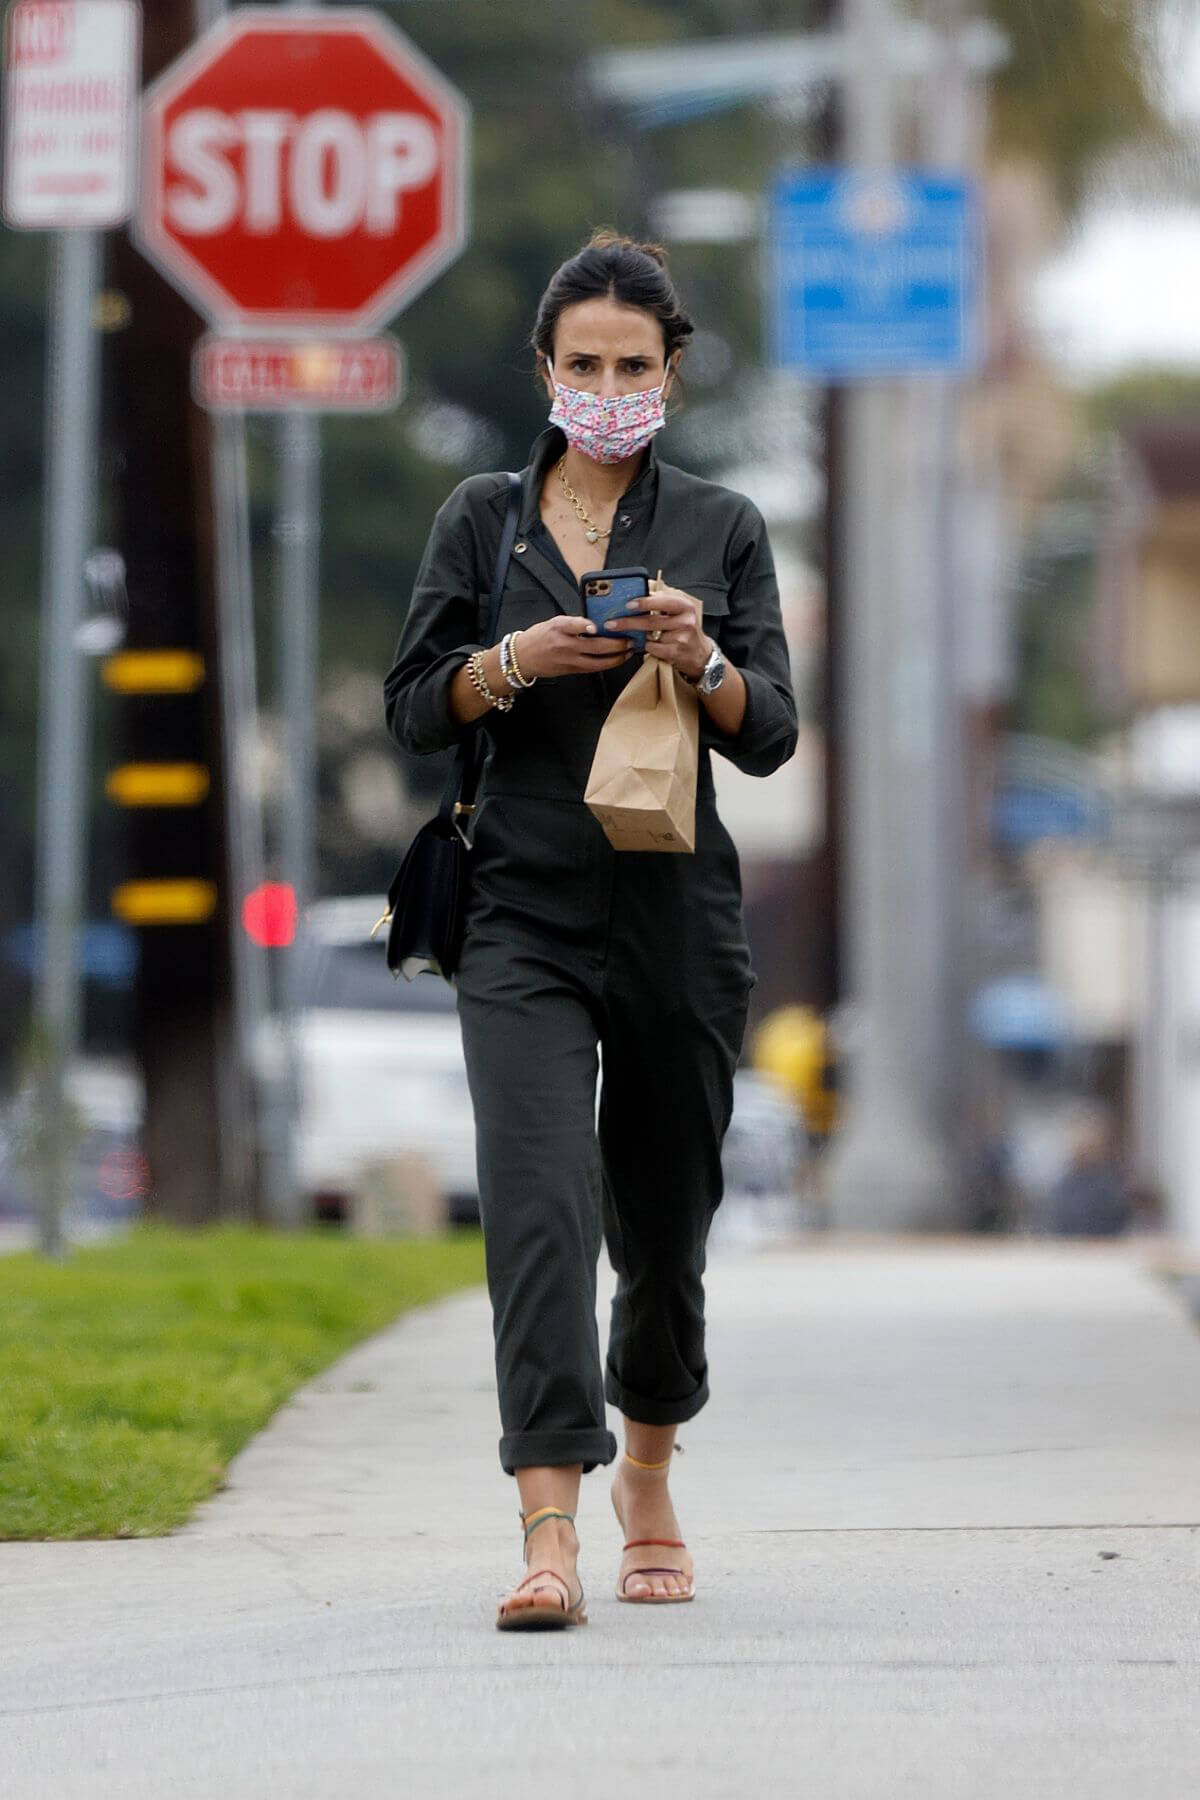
(643, 1507)
(552, 1545)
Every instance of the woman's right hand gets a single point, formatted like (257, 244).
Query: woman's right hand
(567, 645)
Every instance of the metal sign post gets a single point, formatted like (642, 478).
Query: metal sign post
(298, 529)
(240, 1099)
(70, 80)
(297, 380)
(238, 1082)
(68, 504)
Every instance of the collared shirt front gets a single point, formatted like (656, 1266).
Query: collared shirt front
(541, 552)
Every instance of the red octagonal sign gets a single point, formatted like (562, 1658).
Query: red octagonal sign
(302, 171)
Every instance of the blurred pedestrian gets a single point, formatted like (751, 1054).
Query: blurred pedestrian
(571, 946)
(1091, 1197)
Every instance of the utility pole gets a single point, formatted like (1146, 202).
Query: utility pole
(950, 139)
(180, 492)
(819, 956)
(887, 1170)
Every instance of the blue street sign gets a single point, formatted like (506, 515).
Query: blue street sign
(873, 275)
(1024, 812)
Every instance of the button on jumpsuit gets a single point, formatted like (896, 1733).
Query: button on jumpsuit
(578, 957)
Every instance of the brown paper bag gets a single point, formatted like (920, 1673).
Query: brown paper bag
(642, 785)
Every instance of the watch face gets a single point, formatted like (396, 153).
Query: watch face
(714, 673)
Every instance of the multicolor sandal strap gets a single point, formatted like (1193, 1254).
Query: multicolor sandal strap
(569, 1605)
(532, 1520)
(537, 1574)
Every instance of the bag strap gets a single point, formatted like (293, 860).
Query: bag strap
(508, 537)
(468, 761)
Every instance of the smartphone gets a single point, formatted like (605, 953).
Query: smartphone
(606, 594)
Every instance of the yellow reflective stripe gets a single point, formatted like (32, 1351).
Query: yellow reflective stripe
(157, 784)
(153, 671)
(164, 902)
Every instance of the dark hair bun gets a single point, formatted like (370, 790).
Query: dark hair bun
(604, 238)
(633, 274)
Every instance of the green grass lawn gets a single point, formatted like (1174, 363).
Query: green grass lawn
(131, 1373)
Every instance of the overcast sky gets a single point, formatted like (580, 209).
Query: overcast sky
(1127, 288)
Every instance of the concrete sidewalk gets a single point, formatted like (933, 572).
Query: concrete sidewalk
(945, 1507)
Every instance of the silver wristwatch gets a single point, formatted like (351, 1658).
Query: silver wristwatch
(711, 675)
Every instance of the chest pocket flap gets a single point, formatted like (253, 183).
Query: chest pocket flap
(713, 597)
(524, 601)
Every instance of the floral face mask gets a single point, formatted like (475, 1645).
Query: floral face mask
(610, 428)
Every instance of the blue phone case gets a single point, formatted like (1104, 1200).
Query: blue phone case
(625, 585)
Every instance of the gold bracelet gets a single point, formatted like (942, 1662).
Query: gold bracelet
(502, 703)
(522, 679)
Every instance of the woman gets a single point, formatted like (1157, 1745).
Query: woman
(571, 945)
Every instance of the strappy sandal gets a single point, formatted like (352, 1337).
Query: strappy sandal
(646, 1569)
(539, 1616)
(642, 1543)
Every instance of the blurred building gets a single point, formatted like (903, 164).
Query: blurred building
(1148, 645)
(1147, 668)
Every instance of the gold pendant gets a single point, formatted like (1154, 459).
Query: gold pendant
(592, 535)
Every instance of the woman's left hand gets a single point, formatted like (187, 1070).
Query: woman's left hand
(672, 628)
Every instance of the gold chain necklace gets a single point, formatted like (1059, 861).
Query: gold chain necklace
(591, 529)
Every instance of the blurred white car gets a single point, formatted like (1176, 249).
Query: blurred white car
(382, 1070)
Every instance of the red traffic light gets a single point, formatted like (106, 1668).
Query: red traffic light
(269, 915)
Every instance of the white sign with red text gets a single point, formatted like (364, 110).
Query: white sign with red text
(71, 80)
(361, 375)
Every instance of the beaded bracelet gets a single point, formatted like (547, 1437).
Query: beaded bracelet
(525, 681)
(502, 702)
(506, 668)
(510, 668)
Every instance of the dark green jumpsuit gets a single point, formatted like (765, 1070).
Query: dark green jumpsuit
(572, 946)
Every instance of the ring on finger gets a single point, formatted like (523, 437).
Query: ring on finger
(656, 636)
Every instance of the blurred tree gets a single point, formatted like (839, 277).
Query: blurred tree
(1055, 687)
(1083, 80)
(1143, 394)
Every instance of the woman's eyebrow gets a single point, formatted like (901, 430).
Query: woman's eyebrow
(594, 356)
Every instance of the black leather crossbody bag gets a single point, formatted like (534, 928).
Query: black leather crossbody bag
(426, 903)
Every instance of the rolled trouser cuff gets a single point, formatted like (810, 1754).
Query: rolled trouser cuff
(653, 1412)
(556, 1449)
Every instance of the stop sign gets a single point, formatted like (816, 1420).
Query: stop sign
(302, 171)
